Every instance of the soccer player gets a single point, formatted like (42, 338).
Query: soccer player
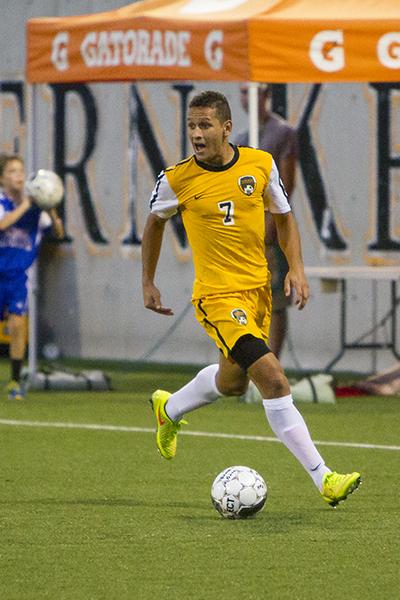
(21, 225)
(222, 192)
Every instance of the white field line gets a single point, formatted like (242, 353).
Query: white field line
(231, 436)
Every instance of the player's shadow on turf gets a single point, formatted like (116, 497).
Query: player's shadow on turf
(266, 521)
(112, 502)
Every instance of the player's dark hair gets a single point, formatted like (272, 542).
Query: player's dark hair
(211, 99)
(5, 159)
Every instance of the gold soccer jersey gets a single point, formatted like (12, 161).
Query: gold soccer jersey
(222, 210)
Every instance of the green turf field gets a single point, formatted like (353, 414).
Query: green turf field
(93, 513)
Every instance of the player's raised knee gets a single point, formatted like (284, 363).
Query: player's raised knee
(232, 388)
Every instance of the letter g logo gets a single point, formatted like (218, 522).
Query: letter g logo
(389, 50)
(59, 52)
(212, 49)
(326, 50)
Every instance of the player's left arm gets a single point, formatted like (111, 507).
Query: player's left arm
(56, 224)
(287, 170)
(276, 201)
(289, 241)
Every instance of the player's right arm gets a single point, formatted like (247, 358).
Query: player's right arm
(151, 247)
(7, 219)
(163, 205)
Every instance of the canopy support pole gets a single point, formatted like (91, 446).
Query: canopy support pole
(253, 113)
(31, 162)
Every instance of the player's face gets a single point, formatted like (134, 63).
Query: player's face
(208, 136)
(13, 179)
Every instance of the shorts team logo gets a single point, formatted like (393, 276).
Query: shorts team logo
(247, 184)
(240, 316)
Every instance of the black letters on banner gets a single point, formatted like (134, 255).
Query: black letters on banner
(385, 162)
(141, 131)
(314, 184)
(140, 123)
(77, 170)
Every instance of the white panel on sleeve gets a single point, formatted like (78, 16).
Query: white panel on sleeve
(44, 221)
(275, 196)
(2, 211)
(163, 202)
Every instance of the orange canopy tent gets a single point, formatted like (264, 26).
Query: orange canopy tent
(226, 40)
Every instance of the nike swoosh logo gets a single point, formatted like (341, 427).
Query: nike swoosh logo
(159, 417)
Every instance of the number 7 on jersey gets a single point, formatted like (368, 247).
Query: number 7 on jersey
(228, 208)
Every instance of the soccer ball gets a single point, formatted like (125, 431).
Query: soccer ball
(46, 188)
(238, 492)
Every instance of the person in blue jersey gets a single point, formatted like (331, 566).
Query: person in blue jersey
(22, 224)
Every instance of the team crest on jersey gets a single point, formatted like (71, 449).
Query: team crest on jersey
(247, 184)
(240, 315)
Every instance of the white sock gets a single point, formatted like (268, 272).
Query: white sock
(200, 391)
(289, 427)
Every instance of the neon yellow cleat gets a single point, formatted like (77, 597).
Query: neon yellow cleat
(15, 391)
(336, 487)
(166, 429)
